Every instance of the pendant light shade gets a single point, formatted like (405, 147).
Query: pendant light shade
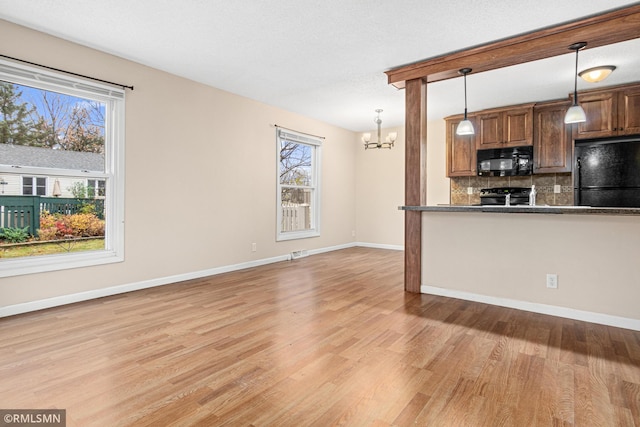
(576, 114)
(465, 127)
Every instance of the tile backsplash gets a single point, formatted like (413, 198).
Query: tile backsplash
(459, 191)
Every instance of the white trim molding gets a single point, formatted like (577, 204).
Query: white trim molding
(26, 307)
(381, 246)
(568, 313)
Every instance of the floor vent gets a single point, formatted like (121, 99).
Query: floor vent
(299, 254)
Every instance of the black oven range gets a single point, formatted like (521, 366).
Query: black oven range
(498, 196)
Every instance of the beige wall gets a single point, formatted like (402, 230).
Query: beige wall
(379, 191)
(380, 185)
(200, 175)
(509, 255)
(437, 181)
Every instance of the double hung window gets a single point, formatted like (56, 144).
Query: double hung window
(298, 185)
(62, 145)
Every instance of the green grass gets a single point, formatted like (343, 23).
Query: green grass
(51, 248)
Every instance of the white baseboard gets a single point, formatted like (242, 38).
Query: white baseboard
(569, 313)
(381, 246)
(332, 248)
(26, 307)
(114, 290)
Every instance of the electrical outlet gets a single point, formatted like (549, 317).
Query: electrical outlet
(469, 190)
(353, 233)
(552, 281)
(557, 189)
(254, 247)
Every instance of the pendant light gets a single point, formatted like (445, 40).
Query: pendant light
(575, 113)
(465, 127)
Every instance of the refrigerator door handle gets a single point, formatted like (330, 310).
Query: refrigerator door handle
(579, 183)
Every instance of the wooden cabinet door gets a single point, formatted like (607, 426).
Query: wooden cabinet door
(461, 151)
(505, 128)
(601, 109)
(629, 111)
(517, 127)
(552, 142)
(489, 130)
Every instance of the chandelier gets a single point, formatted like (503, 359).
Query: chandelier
(389, 140)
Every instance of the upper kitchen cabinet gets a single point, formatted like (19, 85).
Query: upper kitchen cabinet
(505, 127)
(610, 112)
(552, 141)
(461, 149)
(629, 117)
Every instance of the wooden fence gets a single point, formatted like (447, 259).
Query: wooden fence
(24, 211)
(295, 217)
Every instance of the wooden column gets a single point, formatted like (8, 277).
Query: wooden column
(415, 180)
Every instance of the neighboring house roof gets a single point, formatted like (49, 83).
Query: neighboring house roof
(20, 155)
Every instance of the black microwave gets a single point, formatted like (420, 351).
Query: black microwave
(511, 161)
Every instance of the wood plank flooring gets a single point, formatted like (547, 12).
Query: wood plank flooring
(326, 340)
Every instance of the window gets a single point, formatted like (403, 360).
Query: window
(298, 185)
(96, 188)
(61, 144)
(34, 186)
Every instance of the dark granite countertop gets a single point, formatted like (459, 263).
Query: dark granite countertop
(572, 210)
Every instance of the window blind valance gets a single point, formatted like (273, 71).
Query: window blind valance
(26, 75)
(293, 136)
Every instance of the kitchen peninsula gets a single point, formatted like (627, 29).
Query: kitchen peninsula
(520, 209)
(497, 256)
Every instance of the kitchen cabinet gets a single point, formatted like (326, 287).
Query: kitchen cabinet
(552, 140)
(610, 112)
(461, 149)
(505, 127)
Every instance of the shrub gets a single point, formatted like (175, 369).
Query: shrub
(47, 233)
(88, 208)
(14, 235)
(79, 190)
(85, 225)
(59, 226)
(48, 226)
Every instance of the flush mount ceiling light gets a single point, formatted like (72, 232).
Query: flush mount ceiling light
(596, 74)
(389, 140)
(465, 127)
(575, 113)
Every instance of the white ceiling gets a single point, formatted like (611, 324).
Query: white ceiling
(326, 59)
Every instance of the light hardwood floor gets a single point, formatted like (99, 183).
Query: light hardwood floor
(327, 340)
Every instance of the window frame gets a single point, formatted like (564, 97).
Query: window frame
(34, 185)
(113, 174)
(316, 157)
(99, 191)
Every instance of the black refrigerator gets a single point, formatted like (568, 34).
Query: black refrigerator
(607, 172)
